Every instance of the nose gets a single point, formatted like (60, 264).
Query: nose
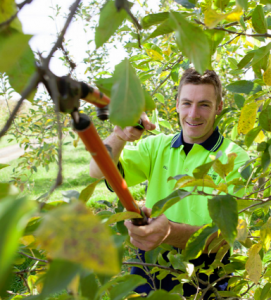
(194, 112)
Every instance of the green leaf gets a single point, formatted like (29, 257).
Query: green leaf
(162, 205)
(159, 97)
(215, 37)
(127, 96)
(122, 216)
(165, 123)
(129, 283)
(265, 119)
(154, 19)
(196, 49)
(239, 100)
(251, 135)
(265, 291)
(176, 261)
(243, 3)
(222, 4)
(87, 192)
(260, 53)
(197, 241)
(149, 103)
(105, 85)
(59, 275)
(221, 115)
(223, 211)
(164, 28)
(187, 3)
(175, 73)
(8, 9)
(14, 216)
(244, 86)
(2, 166)
(266, 159)
(258, 20)
(105, 28)
(245, 60)
(160, 295)
(88, 286)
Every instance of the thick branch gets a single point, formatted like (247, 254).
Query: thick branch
(33, 83)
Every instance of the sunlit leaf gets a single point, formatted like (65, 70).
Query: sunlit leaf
(87, 192)
(243, 3)
(161, 206)
(2, 166)
(254, 263)
(8, 9)
(164, 28)
(154, 54)
(258, 20)
(127, 96)
(242, 231)
(235, 15)
(248, 117)
(74, 233)
(186, 181)
(197, 241)
(212, 18)
(267, 74)
(245, 60)
(223, 211)
(222, 4)
(196, 49)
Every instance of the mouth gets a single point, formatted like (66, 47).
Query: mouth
(193, 124)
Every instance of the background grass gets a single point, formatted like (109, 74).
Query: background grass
(75, 177)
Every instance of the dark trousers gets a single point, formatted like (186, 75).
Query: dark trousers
(168, 284)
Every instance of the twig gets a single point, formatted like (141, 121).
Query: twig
(25, 282)
(29, 270)
(33, 83)
(234, 32)
(228, 42)
(34, 258)
(152, 265)
(20, 6)
(63, 31)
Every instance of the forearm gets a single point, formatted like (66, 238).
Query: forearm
(116, 144)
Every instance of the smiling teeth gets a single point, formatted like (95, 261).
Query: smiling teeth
(194, 124)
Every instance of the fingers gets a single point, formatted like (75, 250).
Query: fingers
(147, 211)
(128, 134)
(146, 122)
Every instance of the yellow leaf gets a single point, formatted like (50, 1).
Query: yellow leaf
(50, 120)
(24, 141)
(66, 122)
(224, 169)
(74, 285)
(74, 233)
(38, 123)
(167, 51)
(164, 74)
(27, 240)
(265, 234)
(241, 230)
(212, 18)
(154, 54)
(185, 181)
(248, 43)
(254, 263)
(247, 118)
(235, 15)
(260, 137)
(222, 187)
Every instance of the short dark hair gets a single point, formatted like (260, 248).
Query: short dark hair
(191, 76)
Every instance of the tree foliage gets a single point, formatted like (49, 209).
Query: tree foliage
(72, 252)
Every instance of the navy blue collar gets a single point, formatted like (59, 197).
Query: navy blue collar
(211, 144)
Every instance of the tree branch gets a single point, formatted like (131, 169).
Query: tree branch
(152, 265)
(34, 258)
(33, 83)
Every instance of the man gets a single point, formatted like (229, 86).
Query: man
(157, 158)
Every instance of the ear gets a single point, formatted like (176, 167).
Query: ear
(177, 105)
(219, 108)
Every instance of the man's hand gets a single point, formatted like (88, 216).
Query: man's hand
(131, 134)
(150, 236)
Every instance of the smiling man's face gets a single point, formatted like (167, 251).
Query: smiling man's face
(197, 108)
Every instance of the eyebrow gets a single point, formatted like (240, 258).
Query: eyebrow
(201, 101)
